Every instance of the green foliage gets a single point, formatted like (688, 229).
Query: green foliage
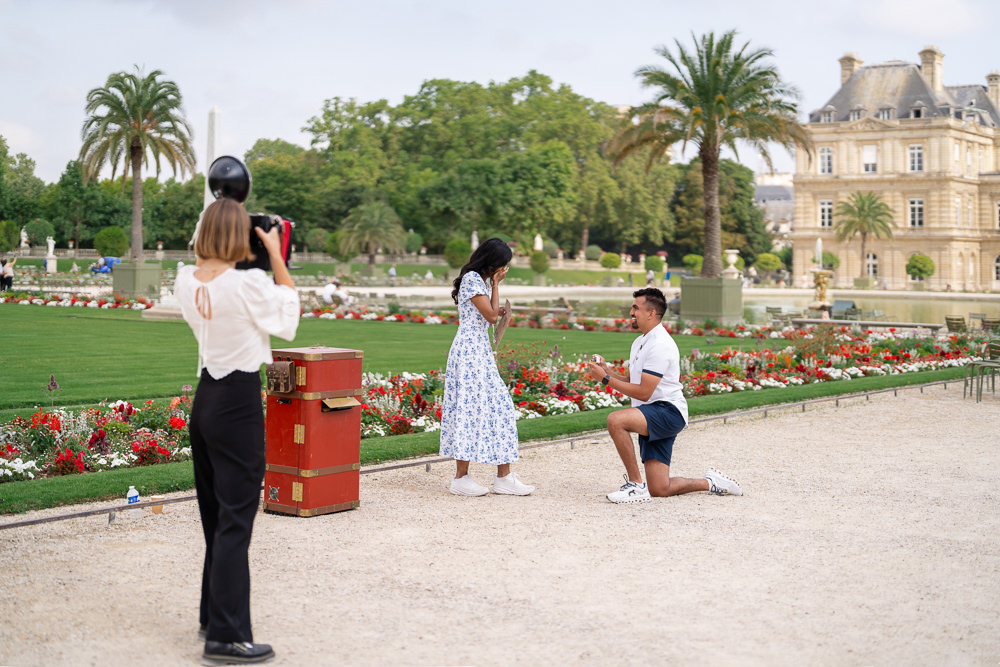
(712, 96)
(919, 266)
(539, 261)
(830, 261)
(692, 263)
(414, 242)
(551, 248)
(593, 252)
(316, 238)
(111, 242)
(611, 260)
(369, 227)
(653, 263)
(112, 135)
(768, 262)
(457, 253)
(38, 230)
(9, 235)
(785, 255)
(333, 248)
(864, 214)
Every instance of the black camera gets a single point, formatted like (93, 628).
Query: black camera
(229, 178)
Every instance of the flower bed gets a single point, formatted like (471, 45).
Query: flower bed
(541, 383)
(77, 301)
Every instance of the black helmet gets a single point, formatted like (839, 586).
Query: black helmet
(229, 178)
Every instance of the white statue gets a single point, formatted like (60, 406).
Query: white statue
(24, 239)
(52, 246)
(538, 242)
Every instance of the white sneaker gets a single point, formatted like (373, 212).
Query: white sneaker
(721, 484)
(511, 486)
(466, 486)
(631, 492)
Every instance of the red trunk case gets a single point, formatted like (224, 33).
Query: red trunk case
(314, 433)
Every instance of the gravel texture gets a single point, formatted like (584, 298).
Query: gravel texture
(868, 535)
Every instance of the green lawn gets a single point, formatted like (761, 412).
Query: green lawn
(98, 355)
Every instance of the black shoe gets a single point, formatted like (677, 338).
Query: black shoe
(202, 632)
(236, 653)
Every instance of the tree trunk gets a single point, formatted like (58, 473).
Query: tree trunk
(711, 266)
(135, 251)
(585, 239)
(864, 260)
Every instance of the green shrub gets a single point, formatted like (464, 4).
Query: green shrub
(456, 253)
(414, 242)
(611, 260)
(9, 235)
(593, 252)
(767, 261)
(919, 267)
(539, 261)
(316, 239)
(111, 242)
(692, 263)
(551, 248)
(654, 264)
(38, 230)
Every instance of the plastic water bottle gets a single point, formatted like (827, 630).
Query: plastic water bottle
(133, 498)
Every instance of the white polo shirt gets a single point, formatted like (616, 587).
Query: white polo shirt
(656, 353)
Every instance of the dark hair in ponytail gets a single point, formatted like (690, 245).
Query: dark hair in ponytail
(491, 254)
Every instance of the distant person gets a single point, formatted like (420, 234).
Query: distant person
(334, 290)
(392, 275)
(233, 315)
(7, 274)
(429, 276)
(478, 420)
(650, 277)
(659, 410)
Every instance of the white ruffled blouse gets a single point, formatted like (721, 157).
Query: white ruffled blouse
(234, 316)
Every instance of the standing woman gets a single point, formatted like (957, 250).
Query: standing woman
(232, 314)
(478, 422)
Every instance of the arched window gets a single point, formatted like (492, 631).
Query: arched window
(871, 265)
(996, 268)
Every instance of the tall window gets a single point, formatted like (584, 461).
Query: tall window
(885, 113)
(916, 212)
(971, 216)
(917, 112)
(869, 159)
(958, 211)
(998, 214)
(968, 159)
(996, 268)
(958, 155)
(826, 213)
(826, 160)
(871, 265)
(856, 114)
(826, 117)
(916, 158)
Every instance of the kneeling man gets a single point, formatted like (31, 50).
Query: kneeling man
(658, 413)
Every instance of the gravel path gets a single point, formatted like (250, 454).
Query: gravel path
(868, 535)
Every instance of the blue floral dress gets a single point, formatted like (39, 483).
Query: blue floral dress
(478, 422)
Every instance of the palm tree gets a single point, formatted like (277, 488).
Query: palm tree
(863, 213)
(714, 97)
(371, 226)
(132, 116)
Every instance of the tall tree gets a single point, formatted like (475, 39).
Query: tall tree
(133, 116)
(863, 214)
(714, 96)
(370, 227)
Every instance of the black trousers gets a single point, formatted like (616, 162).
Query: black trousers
(227, 446)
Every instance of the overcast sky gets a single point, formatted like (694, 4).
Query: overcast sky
(269, 65)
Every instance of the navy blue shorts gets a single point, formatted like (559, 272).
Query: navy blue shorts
(663, 421)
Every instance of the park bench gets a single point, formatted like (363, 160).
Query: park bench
(799, 322)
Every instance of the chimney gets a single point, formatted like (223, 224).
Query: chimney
(993, 87)
(930, 66)
(849, 64)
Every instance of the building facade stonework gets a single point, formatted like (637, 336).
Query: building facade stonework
(933, 154)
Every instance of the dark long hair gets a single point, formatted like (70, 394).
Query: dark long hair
(485, 260)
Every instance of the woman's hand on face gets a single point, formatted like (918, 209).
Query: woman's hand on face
(500, 274)
(271, 240)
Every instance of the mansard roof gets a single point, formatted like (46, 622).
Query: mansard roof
(900, 85)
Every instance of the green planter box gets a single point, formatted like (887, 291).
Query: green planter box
(131, 280)
(718, 299)
(864, 283)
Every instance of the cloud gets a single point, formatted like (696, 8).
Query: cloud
(927, 19)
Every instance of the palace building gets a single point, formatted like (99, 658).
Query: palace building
(931, 151)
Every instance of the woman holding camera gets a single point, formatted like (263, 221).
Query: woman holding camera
(232, 314)
(478, 422)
